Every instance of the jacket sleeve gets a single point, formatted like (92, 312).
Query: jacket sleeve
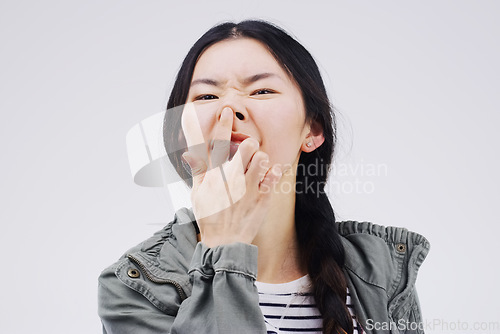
(382, 264)
(126, 311)
(224, 298)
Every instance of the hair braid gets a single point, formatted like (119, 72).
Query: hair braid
(322, 252)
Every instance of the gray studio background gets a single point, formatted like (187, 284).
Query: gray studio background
(416, 86)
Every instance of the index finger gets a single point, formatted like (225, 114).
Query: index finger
(222, 138)
(192, 133)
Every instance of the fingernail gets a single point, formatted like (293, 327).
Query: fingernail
(228, 113)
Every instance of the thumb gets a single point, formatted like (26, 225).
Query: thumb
(197, 165)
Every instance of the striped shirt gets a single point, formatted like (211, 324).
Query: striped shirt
(290, 308)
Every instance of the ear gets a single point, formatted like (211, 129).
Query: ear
(314, 138)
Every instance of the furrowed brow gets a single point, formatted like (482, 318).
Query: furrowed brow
(206, 82)
(247, 81)
(258, 77)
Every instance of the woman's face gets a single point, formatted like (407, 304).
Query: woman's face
(267, 105)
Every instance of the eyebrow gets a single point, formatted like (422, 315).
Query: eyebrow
(246, 81)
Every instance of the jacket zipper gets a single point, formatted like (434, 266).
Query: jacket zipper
(158, 280)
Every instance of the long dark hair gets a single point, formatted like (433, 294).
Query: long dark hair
(319, 243)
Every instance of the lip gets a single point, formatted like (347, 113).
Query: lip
(237, 137)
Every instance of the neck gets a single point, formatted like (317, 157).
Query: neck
(278, 260)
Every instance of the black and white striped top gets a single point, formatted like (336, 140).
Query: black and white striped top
(290, 308)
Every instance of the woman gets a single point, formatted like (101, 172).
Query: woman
(261, 250)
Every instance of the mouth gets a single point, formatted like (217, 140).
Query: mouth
(236, 139)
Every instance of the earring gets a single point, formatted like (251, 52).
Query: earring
(309, 144)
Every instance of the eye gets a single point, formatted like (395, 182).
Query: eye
(263, 91)
(205, 97)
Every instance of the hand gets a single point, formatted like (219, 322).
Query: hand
(230, 198)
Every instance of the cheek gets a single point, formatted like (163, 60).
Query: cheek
(197, 123)
(207, 123)
(284, 114)
(286, 119)
(281, 126)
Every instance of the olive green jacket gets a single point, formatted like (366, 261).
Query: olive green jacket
(171, 283)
